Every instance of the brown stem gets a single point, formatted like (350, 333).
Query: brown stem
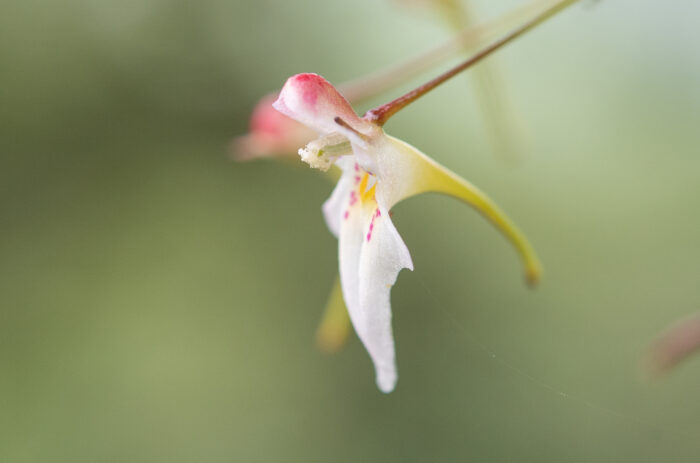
(378, 82)
(381, 114)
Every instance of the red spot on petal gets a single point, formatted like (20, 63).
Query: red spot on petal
(311, 86)
(310, 97)
(353, 197)
(345, 216)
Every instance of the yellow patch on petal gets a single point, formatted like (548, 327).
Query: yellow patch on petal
(369, 194)
(363, 183)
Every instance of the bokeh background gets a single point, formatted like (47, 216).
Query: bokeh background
(158, 302)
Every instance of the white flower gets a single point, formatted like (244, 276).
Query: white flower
(378, 172)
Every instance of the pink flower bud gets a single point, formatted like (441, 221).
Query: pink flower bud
(272, 134)
(315, 102)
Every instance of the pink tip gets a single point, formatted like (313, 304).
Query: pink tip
(310, 86)
(313, 101)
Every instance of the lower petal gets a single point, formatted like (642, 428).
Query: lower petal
(371, 256)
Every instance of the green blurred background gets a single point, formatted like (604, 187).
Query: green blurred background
(158, 302)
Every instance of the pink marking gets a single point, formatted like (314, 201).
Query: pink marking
(353, 197)
(310, 97)
(310, 85)
(314, 100)
(308, 77)
(371, 224)
(345, 216)
(357, 167)
(357, 179)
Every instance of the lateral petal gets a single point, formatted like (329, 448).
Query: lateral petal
(404, 171)
(372, 254)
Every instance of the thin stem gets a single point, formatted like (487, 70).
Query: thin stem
(467, 38)
(381, 114)
(382, 80)
(504, 129)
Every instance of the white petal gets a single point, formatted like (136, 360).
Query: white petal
(334, 208)
(371, 254)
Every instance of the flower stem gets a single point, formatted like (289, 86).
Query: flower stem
(381, 114)
(467, 38)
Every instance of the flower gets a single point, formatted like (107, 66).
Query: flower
(378, 171)
(272, 134)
